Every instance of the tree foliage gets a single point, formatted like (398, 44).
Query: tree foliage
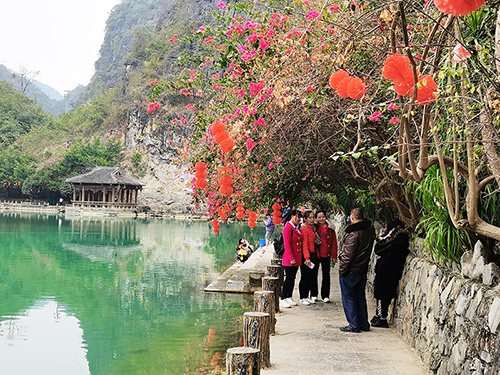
(267, 78)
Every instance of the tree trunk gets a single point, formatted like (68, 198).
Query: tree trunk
(256, 331)
(242, 361)
(264, 301)
(272, 284)
(277, 271)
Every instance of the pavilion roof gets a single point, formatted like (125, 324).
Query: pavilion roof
(105, 176)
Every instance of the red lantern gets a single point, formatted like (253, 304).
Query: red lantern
(227, 145)
(218, 127)
(252, 219)
(336, 78)
(215, 226)
(458, 7)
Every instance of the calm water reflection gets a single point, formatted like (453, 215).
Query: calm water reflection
(110, 296)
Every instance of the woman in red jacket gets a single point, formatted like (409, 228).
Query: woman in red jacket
(327, 252)
(292, 257)
(309, 268)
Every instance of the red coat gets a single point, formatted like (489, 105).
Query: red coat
(329, 247)
(292, 241)
(308, 240)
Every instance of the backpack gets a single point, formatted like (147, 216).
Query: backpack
(279, 245)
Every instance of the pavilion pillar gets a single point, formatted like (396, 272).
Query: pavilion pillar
(113, 195)
(135, 196)
(104, 195)
(83, 193)
(74, 193)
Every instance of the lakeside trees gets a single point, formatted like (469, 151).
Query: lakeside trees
(433, 121)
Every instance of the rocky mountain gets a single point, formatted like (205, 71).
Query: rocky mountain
(47, 97)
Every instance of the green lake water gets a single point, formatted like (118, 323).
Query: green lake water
(115, 296)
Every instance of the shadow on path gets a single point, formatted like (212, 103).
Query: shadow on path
(308, 342)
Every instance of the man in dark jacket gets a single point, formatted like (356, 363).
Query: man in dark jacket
(353, 267)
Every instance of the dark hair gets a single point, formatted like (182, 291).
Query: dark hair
(295, 213)
(358, 213)
(393, 223)
(241, 240)
(307, 213)
(319, 212)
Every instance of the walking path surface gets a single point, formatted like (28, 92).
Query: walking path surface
(308, 342)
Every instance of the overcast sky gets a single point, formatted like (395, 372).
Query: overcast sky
(59, 38)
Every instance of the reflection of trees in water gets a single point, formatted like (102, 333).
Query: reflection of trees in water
(140, 311)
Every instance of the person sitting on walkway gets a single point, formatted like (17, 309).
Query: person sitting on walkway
(292, 257)
(244, 250)
(327, 250)
(353, 267)
(391, 248)
(308, 270)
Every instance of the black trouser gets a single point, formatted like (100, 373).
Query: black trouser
(309, 279)
(289, 282)
(383, 308)
(325, 273)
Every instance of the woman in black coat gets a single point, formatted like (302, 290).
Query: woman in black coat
(391, 248)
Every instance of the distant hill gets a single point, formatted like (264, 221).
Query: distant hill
(47, 97)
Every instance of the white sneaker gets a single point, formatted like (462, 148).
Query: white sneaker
(305, 302)
(326, 300)
(313, 299)
(284, 304)
(291, 302)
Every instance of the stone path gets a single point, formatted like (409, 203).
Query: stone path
(308, 342)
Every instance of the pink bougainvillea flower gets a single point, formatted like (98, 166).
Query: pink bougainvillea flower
(260, 121)
(375, 116)
(173, 38)
(459, 53)
(458, 7)
(334, 8)
(255, 88)
(271, 165)
(312, 15)
(279, 160)
(250, 144)
(221, 4)
(394, 120)
(392, 107)
(264, 44)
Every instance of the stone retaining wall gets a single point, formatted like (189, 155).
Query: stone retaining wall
(451, 319)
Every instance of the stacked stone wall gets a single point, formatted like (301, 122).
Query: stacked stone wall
(452, 319)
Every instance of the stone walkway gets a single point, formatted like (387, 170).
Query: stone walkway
(308, 342)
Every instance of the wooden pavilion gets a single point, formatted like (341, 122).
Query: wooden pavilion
(105, 187)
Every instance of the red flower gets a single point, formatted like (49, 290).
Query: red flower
(336, 78)
(458, 7)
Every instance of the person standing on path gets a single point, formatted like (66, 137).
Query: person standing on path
(269, 230)
(327, 250)
(353, 267)
(309, 268)
(292, 257)
(391, 248)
